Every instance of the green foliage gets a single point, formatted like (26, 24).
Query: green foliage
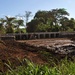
(2, 30)
(32, 69)
(70, 29)
(22, 30)
(9, 30)
(42, 28)
(50, 21)
(9, 24)
(64, 68)
(44, 21)
(32, 26)
(17, 25)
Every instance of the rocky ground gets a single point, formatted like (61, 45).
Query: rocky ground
(60, 46)
(13, 50)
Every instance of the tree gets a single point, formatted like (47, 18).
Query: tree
(32, 26)
(42, 15)
(2, 29)
(59, 14)
(64, 23)
(72, 23)
(26, 16)
(9, 24)
(48, 20)
(18, 23)
(43, 27)
(41, 22)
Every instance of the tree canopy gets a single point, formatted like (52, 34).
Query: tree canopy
(51, 21)
(55, 20)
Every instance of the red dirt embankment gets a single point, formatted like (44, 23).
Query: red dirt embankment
(12, 50)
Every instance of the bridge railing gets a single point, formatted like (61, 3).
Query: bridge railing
(37, 35)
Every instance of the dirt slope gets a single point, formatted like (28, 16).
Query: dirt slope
(12, 50)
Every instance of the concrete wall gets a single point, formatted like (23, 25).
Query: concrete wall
(7, 38)
(40, 35)
(37, 35)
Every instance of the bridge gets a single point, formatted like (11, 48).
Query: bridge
(38, 35)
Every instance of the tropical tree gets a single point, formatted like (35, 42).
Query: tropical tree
(58, 14)
(32, 26)
(72, 23)
(18, 23)
(48, 20)
(9, 24)
(2, 28)
(64, 24)
(42, 16)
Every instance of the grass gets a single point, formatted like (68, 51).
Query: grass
(65, 67)
(26, 67)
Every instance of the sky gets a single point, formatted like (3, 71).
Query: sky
(15, 7)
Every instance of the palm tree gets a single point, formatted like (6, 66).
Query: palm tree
(9, 24)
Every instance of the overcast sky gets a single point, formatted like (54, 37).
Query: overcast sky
(15, 7)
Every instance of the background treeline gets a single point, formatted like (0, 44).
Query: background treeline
(43, 21)
(51, 21)
(10, 25)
